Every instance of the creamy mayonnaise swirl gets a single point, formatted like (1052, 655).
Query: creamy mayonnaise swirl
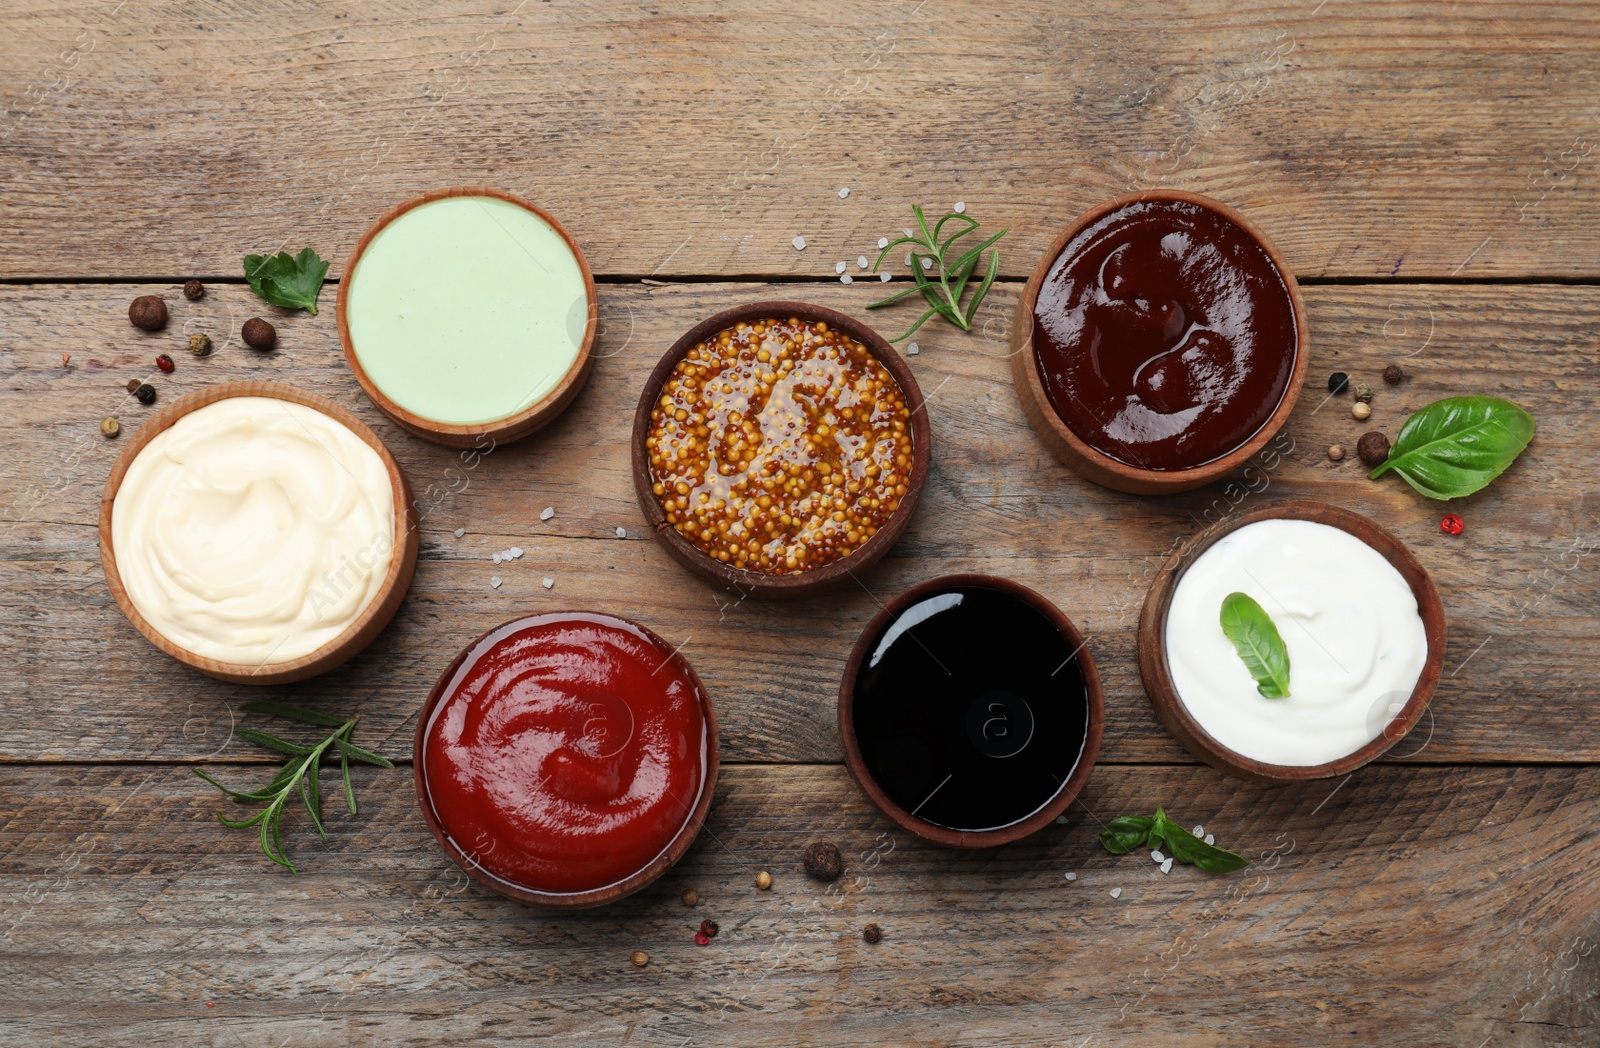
(1349, 620)
(254, 530)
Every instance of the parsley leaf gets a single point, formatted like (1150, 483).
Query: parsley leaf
(288, 281)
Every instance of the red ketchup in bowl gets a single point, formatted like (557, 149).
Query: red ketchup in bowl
(1165, 335)
(564, 753)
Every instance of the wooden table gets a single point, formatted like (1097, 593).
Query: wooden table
(1431, 173)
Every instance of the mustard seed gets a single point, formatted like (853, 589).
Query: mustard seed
(763, 880)
(691, 897)
(640, 958)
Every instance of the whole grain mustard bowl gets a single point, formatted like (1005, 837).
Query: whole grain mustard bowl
(780, 448)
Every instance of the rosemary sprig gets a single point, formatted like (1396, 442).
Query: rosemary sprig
(300, 774)
(943, 297)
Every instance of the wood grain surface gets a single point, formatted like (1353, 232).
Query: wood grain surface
(1416, 906)
(1431, 171)
(1371, 139)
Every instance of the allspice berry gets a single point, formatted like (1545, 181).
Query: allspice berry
(1360, 410)
(148, 313)
(1373, 448)
(822, 861)
(109, 428)
(200, 345)
(763, 880)
(1336, 453)
(691, 897)
(1392, 375)
(640, 958)
(259, 335)
(194, 291)
(872, 933)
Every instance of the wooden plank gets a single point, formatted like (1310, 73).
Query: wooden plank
(1372, 140)
(1419, 906)
(1519, 586)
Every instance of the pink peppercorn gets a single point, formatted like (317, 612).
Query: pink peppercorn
(1451, 524)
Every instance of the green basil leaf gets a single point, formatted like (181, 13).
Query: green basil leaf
(1456, 446)
(1124, 834)
(1255, 637)
(290, 281)
(1186, 847)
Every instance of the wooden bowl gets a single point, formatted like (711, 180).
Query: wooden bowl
(812, 580)
(481, 434)
(1095, 465)
(676, 847)
(945, 835)
(359, 633)
(1157, 678)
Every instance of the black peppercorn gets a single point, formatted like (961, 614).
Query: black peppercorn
(1338, 382)
(1392, 375)
(148, 313)
(1373, 448)
(194, 291)
(259, 335)
(872, 933)
(823, 861)
(146, 393)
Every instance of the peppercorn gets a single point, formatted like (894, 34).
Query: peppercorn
(822, 861)
(110, 427)
(148, 313)
(1363, 392)
(259, 335)
(872, 933)
(691, 897)
(708, 927)
(200, 345)
(763, 880)
(165, 363)
(146, 393)
(1452, 524)
(194, 291)
(1336, 453)
(1360, 410)
(133, 385)
(1338, 382)
(1373, 448)
(701, 939)
(66, 360)
(1393, 375)
(640, 958)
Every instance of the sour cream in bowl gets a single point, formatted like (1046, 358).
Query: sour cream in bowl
(1360, 623)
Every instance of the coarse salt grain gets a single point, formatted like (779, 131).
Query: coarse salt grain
(908, 258)
(839, 267)
(883, 277)
(1061, 820)
(883, 242)
(861, 262)
(909, 233)
(844, 191)
(549, 511)
(497, 558)
(1210, 839)
(799, 243)
(547, 582)
(460, 532)
(846, 278)
(494, 581)
(1156, 856)
(1199, 831)
(1072, 876)
(1116, 893)
(913, 349)
(516, 551)
(622, 533)
(1166, 866)
(961, 205)
(927, 263)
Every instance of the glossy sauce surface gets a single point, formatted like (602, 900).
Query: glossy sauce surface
(970, 709)
(566, 752)
(1165, 335)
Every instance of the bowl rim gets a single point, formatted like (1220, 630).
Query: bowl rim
(1095, 465)
(1163, 694)
(462, 435)
(360, 632)
(1070, 790)
(812, 580)
(664, 860)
